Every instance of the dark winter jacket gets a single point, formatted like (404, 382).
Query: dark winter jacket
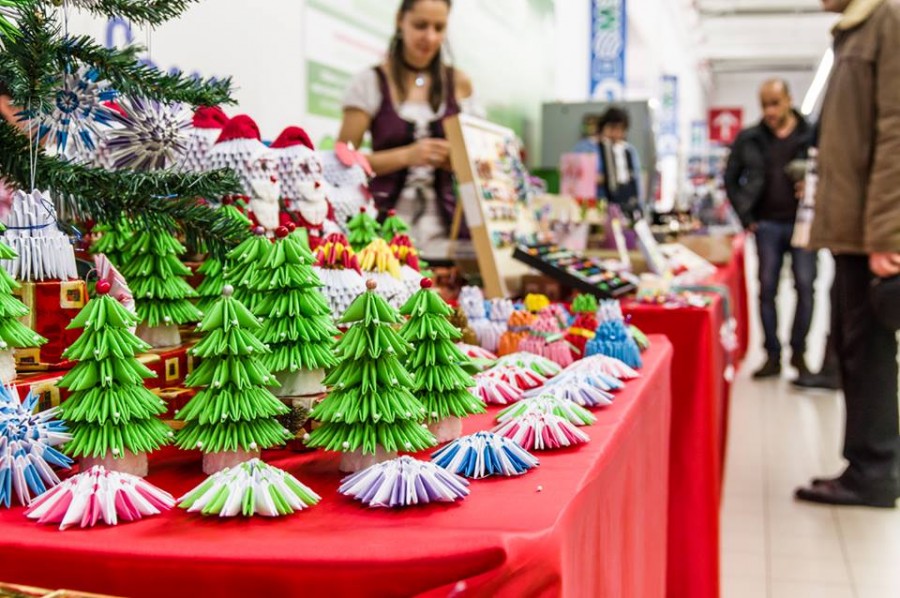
(745, 174)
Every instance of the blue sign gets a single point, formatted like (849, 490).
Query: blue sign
(609, 28)
(668, 139)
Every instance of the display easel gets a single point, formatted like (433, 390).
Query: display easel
(488, 198)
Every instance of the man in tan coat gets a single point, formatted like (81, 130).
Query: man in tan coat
(858, 218)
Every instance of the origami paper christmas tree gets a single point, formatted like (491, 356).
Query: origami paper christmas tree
(392, 226)
(371, 412)
(13, 333)
(441, 383)
(232, 417)
(213, 269)
(111, 415)
(157, 278)
(242, 263)
(363, 229)
(297, 322)
(115, 242)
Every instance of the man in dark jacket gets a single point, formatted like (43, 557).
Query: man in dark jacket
(857, 217)
(762, 193)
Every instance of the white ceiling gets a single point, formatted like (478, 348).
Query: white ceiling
(762, 35)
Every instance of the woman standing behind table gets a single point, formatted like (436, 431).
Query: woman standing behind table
(402, 102)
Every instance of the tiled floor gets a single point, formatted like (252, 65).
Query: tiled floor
(772, 546)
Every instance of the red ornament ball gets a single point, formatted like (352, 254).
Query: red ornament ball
(426, 283)
(102, 287)
(281, 232)
(392, 212)
(362, 209)
(290, 226)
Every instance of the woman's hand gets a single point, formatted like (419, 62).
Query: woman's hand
(429, 152)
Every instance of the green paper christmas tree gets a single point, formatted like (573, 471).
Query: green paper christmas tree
(371, 405)
(297, 321)
(584, 304)
(242, 263)
(234, 410)
(13, 333)
(363, 229)
(116, 242)
(157, 279)
(109, 411)
(437, 364)
(392, 226)
(213, 269)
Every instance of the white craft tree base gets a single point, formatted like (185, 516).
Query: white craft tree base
(160, 336)
(357, 461)
(447, 429)
(215, 462)
(300, 383)
(134, 464)
(7, 367)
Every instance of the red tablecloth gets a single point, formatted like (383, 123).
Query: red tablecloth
(597, 528)
(733, 276)
(695, 451)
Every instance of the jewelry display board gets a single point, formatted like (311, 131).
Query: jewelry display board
(493, 194)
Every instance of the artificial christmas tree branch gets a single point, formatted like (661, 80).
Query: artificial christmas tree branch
(106, 196)
(130, 77)
(145, 12)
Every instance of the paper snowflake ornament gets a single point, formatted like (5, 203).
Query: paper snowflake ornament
(484, 454)
(27, 453)
(404, 482)
(540, 365)
(548, 403)
(98, 496)
(541, 431)
(495, 391)
(602, 364)
(521, 377)
(575, 389)
(43, 252)
(76, 118)
(206, 126)
(153, 135)
(251, 488)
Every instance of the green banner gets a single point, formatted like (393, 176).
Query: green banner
(325, 87)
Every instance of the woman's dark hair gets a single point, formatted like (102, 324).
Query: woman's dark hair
(613, 116)
(398, 63)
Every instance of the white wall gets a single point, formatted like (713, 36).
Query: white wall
(742, 90)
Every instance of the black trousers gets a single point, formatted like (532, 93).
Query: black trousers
(868, 364)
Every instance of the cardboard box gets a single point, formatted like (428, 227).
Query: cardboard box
(715, 249)
(53, 305)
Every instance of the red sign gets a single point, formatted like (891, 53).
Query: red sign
(725, 124)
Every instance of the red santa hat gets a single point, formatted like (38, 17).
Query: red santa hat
(292, 136)
(240, 128)
(209, 117)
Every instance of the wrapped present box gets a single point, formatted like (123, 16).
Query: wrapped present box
(53, 305)
(171, 365)
(176, 398)
(44, 385)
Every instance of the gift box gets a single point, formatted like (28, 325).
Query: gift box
(175, 398)
(53, 305)
(44, 385)
(171, 365)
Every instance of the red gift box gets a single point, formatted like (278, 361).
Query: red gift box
(171, 365)
(175, 399)
(53, 305)
(43, 384)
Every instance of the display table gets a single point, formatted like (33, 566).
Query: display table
(733, 277)
(697, 441)
(590, 521)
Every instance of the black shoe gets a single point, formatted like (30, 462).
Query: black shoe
(835, 492)
(818, 381)
(798, 362)
(770, 369)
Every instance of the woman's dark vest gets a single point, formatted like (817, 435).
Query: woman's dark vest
(390, 131)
